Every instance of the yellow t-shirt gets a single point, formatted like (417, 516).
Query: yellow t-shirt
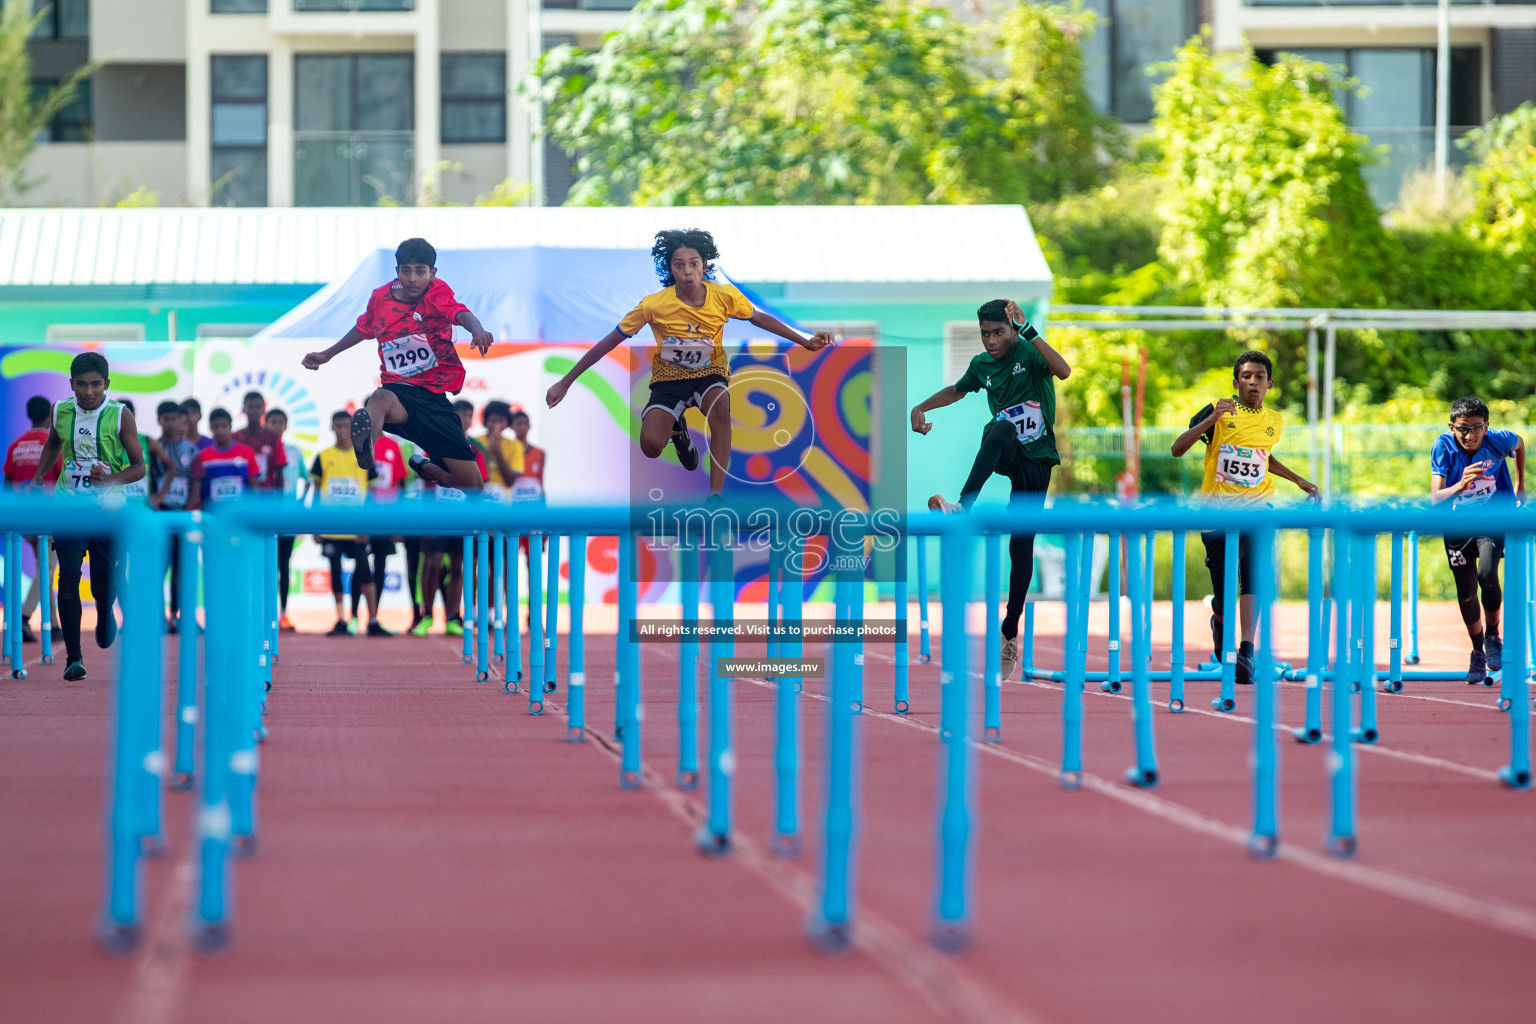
(498, 487)
(340, 480)
(689, 339)
(1237, 455)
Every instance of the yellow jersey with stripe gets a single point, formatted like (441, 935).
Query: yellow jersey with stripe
(339, 480)
(1237, 450)
(497, 488)
(690, 340)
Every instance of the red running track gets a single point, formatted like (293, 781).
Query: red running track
(430, 852)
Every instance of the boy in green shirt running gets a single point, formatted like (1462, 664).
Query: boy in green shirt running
(100, 443)
(1018, 370)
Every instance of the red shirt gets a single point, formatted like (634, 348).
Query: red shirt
(390, 467)
(226, 472)
(533, 462)
(270, 456)
(416, 342)
(22, 456)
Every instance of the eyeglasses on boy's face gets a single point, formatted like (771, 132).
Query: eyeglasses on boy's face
(1469, 429)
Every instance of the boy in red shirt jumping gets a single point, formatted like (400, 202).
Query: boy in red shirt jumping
(412, 317)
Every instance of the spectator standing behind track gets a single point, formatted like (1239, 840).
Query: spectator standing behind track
(271, 457)
(99, 442)
(504, 456)
(529, 486)
(171, 488)
(1467, 468)
(154, 458)
(225, 468)
(339, 480)
(293, 476)
(442, 563)
(21, 461)
(1239, 435)
(193, 410)
(387, 484)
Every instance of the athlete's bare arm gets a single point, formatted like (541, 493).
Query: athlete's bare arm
(478, 336)
(1053, 359)
(588, 359)
(1185, 441)
(938, 400)
(772, 324)
(128, 430)
(315, 360)
(52, 449)
(1284, 472)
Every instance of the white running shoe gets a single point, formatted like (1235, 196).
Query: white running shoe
(938, 504)
(1009, 651)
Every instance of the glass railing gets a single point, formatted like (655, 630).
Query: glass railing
(353, 168)
(354, 5)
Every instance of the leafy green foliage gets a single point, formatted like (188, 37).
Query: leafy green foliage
(1504, 187)
(22, 117)
(827, 101)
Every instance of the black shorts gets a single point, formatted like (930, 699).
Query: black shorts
(1216, 561)
(675, 396)
(442, 545)
(430, 424)
(1473, 552)
(331, 547)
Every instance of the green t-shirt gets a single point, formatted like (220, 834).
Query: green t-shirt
(1020, 388)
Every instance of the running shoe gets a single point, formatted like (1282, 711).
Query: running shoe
(376, 628)
(422, 628)
(1215, 640)
(1245, 668)
(682, 443)
(938, 504)
(1493, 647)
(27, 636)
(362, 438)
(285, 626)
(172, 627)
(106, 628)
(75, 670)
(1009, 657)
(340, 629)
(1477, 670)
(454, 627)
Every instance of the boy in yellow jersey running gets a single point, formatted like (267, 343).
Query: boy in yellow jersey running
(1239, 435)
(689, 365)
(339, 480)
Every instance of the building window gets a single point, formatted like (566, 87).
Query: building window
(68, 334)
(238, 7)
(62, 19)
(238, 169)
(354, 129)
(354, 5)
(1131, 36)
(72, 123)
(474, 89)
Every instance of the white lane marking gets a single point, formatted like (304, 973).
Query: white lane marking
(160, 976)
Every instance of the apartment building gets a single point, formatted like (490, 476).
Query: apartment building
(358, 102)
(300, 102)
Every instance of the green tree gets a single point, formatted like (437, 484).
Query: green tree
(1504, 186)
(22, 116)
(1266, 204)
(826, 101)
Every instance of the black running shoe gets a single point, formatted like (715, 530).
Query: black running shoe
(172, 627)
(1215, 640)
(340, 629)
(1477, 670)
(27, 636)
(1493, 647)
(376, 628)
(682, 443)
(75, 670)
(362, 438)
(1244, 670)
(106, 628)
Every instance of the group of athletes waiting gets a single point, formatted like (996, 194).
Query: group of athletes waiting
(412, 317)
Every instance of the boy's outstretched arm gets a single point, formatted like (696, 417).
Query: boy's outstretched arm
(478, 335)
(1284, 472)
(558, 389)
(1055, 360)
(938, 400)
(315, 360)
(1520, 470)
(771, 323)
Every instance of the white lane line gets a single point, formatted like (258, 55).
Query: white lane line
(1505, 917)
(160, 975)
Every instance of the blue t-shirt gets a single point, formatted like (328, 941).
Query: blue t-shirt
(1448, 460)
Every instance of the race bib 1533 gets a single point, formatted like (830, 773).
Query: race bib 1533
(1241, 467)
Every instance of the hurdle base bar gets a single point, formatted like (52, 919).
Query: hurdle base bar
(1058, 676)
(119, 938)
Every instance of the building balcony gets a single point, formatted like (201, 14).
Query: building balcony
(359, 168)
(349, 17)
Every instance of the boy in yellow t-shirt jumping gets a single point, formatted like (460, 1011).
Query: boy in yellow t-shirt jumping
(1239, 435)
(689, 365)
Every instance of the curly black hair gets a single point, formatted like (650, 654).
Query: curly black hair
(668, 242)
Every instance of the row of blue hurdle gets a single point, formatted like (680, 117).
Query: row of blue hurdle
(226, 693)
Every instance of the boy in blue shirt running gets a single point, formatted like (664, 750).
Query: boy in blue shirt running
(1467, 468)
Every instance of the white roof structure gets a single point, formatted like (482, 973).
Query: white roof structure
(820, 253)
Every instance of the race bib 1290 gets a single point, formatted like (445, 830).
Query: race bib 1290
(407, 356)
